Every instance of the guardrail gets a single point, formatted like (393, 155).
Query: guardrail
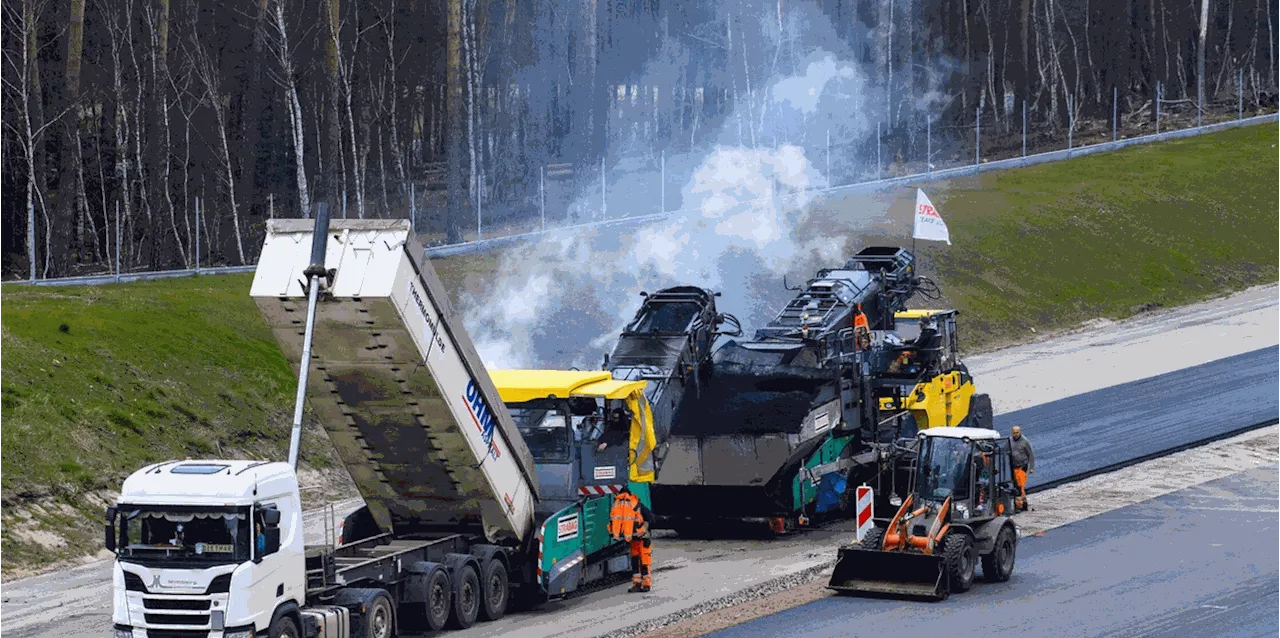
(492, 243)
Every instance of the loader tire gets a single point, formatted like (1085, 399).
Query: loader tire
(961, 560)
(997, 566)
(981, 412)
(874, 539)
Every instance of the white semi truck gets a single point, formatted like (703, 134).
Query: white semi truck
(453, 527)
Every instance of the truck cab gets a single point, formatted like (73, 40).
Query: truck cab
(211, 548)
(589, 433)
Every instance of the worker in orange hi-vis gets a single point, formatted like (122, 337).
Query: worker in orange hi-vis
(1024, 463)
(861, 329)
(630, 520)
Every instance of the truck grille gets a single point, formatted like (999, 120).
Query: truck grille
(219, 585)
(194, 604)
(176, 619)
(177, 633)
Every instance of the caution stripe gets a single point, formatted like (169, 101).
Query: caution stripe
(599, 490)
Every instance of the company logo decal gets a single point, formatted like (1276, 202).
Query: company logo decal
(482, 416)
(567, 527)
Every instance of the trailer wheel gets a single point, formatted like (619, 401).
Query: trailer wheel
(494, 586)
(284, 627)
(997, 566)
(436, 610)
(466, 598)
(957, 549)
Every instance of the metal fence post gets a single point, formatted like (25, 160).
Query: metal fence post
(1024, 127)
(604, 202)
(271, 205)
(828, 156)
(413, 209)
(1071, 124)
(542, 195)
(878, 165)
(977, 136)
(1200, 100)
(1157, 99)
(479, 212)
(197, 234)
(1240, 95)
(928, 144)
(662, 160)
(1115, 112)
(344, 202)
(118, 237)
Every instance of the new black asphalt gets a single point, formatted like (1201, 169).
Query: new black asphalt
(1126, 423)
(1198, 562)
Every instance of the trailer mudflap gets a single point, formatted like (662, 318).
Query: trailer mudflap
(868, 571)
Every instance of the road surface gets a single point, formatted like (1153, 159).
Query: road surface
(1098, 429)
(1198, 562)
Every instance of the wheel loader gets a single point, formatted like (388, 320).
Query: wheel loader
(955, 515)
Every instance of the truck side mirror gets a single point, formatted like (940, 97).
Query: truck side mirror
(272, 540)
(110, 529)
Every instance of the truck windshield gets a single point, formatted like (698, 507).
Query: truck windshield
(545, 432)
(184, 535)
(942, 471)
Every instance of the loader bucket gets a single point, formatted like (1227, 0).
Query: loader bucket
(868, 571)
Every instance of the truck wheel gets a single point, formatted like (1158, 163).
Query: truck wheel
(466, 598)
(439, 599)
(378, 619)
(997, 566)
(957, 550)
(284, 627)
(494, 589)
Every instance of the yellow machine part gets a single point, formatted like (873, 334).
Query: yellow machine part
(941, 401)
(519, 386)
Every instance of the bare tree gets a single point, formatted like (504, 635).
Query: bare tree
(279, 44)
(203, 66)
(24, 21)
(1204, 32)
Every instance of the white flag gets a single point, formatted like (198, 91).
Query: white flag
(929, 224)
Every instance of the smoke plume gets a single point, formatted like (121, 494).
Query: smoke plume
(744, 224)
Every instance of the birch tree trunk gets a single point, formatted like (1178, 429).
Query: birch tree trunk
(284, 58)
(1204, 31)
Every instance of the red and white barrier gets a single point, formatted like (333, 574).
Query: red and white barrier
(863, 510)
(599, 490)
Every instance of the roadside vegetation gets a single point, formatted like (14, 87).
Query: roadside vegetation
(1105, 236)
(98, 381)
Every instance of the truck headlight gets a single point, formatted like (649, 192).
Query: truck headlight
(240, 632)
(123, 631)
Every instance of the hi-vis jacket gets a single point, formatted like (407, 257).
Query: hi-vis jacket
(628, 518)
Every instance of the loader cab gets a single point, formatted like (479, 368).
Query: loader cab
(578, 427)
(971, 466)
(923, 342)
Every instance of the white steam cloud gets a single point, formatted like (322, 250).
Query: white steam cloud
(746, 223)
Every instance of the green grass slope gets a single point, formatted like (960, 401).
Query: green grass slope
(1110, 234)
(99, 380)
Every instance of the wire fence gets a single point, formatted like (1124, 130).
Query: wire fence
(500, 234)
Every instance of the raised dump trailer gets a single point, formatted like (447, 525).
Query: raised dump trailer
(454, 524)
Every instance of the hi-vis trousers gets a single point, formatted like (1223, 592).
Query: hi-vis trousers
(641, 560)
